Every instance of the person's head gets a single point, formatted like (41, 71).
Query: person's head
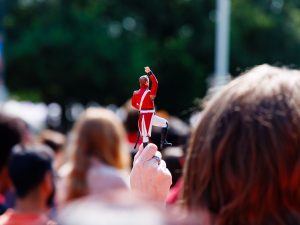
(27, 133)
(10, 135)
(54, 140)
(30, 169)
(244, 160)
(144, 81)
(99, 134)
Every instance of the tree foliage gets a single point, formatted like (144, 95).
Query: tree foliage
(95, 50)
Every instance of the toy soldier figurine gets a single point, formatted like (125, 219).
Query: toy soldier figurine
(143, 100)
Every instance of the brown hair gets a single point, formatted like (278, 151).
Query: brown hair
(53, 139)
(243, 165)
(100, 134)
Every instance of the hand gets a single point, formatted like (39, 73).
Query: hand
(147, 69)
(149, 176)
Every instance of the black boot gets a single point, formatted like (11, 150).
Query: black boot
(163, 140)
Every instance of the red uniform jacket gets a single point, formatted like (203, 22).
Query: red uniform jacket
(148, 103)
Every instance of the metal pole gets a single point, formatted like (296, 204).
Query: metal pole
(222, 42)
(3, 91)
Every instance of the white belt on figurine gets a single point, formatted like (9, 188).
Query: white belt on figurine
(148, 111)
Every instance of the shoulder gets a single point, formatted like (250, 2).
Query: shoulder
(136, 92)
(102, 172)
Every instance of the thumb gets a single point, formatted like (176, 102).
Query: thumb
(147, 153)
(137, 155)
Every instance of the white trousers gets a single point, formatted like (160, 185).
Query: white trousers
(155, 121)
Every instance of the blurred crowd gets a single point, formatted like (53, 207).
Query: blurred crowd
(236, 162)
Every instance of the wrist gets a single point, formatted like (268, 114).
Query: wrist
(150, 73)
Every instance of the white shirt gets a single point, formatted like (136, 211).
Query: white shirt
(102, 177)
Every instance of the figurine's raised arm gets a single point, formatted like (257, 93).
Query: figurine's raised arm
(154, 82)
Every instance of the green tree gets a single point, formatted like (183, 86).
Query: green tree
(83, 50)
(96, 50)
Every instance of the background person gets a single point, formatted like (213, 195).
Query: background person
(10, 135)
(101, 160)
(244, 160)
(56, 142)
(30, 169)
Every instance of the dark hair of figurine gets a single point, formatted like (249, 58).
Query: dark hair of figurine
(243, 165)
(143, 80)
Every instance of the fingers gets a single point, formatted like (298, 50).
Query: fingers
(137, 155)
(158, 154)
(163, 167)
(162, 164)
(147, 153)
(149, 175)
(159, 170)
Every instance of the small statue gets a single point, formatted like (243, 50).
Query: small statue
(143, 100)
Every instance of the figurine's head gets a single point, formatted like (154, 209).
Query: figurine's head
(144, 81)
